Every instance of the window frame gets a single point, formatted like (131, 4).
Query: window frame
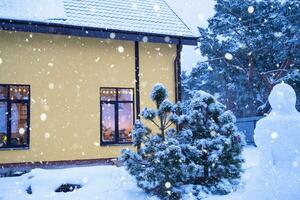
(9, 102)
(115, 103)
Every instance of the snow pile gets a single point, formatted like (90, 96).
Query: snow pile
(101, 182)
(109, 182)
(278, 139)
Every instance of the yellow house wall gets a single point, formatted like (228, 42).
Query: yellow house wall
(65, 74)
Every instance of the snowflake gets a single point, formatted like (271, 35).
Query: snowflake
(167, 185)
(43, 116)
(47, 135)
(167, 39)
(21, 131)
(213, 133)
(1, 61)
(112, 35)
(145, 39)
(251, 9)
(228, 56)
(120, 49)
(97, 59)
(274, 135)
(51, 86)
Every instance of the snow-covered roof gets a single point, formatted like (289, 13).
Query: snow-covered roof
(33, 10)
(143, 16)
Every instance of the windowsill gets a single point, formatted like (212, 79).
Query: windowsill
(118, 144)
(13, 148)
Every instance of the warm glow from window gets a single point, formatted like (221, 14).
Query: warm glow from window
(117, 115)
(14, 116)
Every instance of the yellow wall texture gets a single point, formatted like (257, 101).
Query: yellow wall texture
(65, 74)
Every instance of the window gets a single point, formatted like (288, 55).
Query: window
(14, 116)
(117, 115)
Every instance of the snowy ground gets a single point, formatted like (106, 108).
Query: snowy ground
(101, 182)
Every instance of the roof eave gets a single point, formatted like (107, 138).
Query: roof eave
(94, 32)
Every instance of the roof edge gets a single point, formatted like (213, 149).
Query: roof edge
(177, 16)
(93, 32)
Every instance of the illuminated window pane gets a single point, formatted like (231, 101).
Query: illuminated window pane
(3, 124)
(3, 92)
(125, 122)
(108, 122)
(125, 94)
(19, 127)
(19, 92)
(108, 94)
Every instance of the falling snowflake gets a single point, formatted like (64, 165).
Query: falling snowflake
(120, 49)
(43, 116)
(251, 9)
(51, 86)
(145, 39)
(50, 64)
(274, 135)
(1, 61)
(21, 131)
(96, 143)
(167, 39)
(167, 185)
(97, 59)
(213, 133)
(112, 35)
(47, 135)
(228, 56)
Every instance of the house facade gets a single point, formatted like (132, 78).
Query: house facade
(71, 87)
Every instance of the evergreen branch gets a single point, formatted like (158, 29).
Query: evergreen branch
(154, 123)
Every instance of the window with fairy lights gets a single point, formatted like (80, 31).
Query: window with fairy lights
(117, 115)
(14, 116)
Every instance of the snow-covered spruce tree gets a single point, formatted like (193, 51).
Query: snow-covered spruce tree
(156, 164)
(215, 136)
(250, 47)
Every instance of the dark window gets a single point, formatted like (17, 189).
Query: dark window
(117, 115)
(14, 116)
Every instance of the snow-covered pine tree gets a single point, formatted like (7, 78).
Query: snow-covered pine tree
(215, 137)
(156, 163)
(250, 46)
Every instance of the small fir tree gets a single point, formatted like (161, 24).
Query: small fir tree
(154, 164)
